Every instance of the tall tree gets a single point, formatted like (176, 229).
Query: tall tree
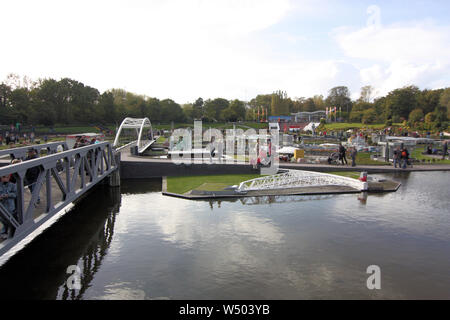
(444, 101)
(366, 94)
(401, 102)
(279, 105)
(197, 109)
(235, 111)
(339, 97)
(213, 108)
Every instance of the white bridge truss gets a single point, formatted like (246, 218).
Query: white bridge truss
(299, 179)
(143, 140)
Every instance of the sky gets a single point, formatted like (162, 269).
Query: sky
(235, 49)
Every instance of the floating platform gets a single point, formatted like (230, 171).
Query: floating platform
(374, 187)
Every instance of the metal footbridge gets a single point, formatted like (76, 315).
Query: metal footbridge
(299, 179)
(143, 141)
(63, 177)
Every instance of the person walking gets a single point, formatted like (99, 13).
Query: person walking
(32, 174)
(396, 157)
(342, 154)
(404, 157)
(353, 154)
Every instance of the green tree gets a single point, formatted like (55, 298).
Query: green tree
(105, 109)
(261, 101)
(154, 110)
(188, 110)
(319, 102)
(309, 105)
(279, 105)
(430, 117)
(401, 102)
(444, 100)
(356, 116)
(339, 97)
(235, 112)
(197, 109)
(416, 115)
(171, 111)
(428, 100)
(366, 94)
(213, 109)
(369, 116)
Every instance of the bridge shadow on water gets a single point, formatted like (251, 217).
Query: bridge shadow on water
(80, 237)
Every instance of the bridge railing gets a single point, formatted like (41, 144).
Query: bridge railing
(299, 179)
(67, 174)
(21, 152)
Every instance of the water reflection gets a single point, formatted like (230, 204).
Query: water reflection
(263, 200)
(273, 247)
(363, 197)
(93, 256)
(81, 237)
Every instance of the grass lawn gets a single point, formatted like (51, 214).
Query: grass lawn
(347, 126)
(350, 174)
(417, 154)
(363, 158)
(161, 140)
(182, 185)
(68, 130)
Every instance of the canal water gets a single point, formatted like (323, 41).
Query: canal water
(134, 243)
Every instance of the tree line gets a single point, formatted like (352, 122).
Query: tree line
(67, 101)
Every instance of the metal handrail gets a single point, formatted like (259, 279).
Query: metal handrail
(82, 168)
(299, 178)
(21, 152)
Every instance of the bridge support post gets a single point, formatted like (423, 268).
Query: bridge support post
(114, 178)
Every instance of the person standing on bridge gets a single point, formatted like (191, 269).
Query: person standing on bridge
(32, 174)
(8, 195)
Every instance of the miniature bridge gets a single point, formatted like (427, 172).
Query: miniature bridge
(300, 179)
(60, 179)
(143, 141)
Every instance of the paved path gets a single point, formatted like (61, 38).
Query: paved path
(127, 157)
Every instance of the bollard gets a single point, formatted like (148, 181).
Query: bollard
(363, 177)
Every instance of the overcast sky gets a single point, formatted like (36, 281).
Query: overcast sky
(185, 49)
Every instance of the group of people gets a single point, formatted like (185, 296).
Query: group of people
(8, 191)
(431, 150)
(14, 138)
(401, 157)
(342, 155)
(263, 153)
(82, 142)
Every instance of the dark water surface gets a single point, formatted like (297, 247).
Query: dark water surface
(134, 243)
